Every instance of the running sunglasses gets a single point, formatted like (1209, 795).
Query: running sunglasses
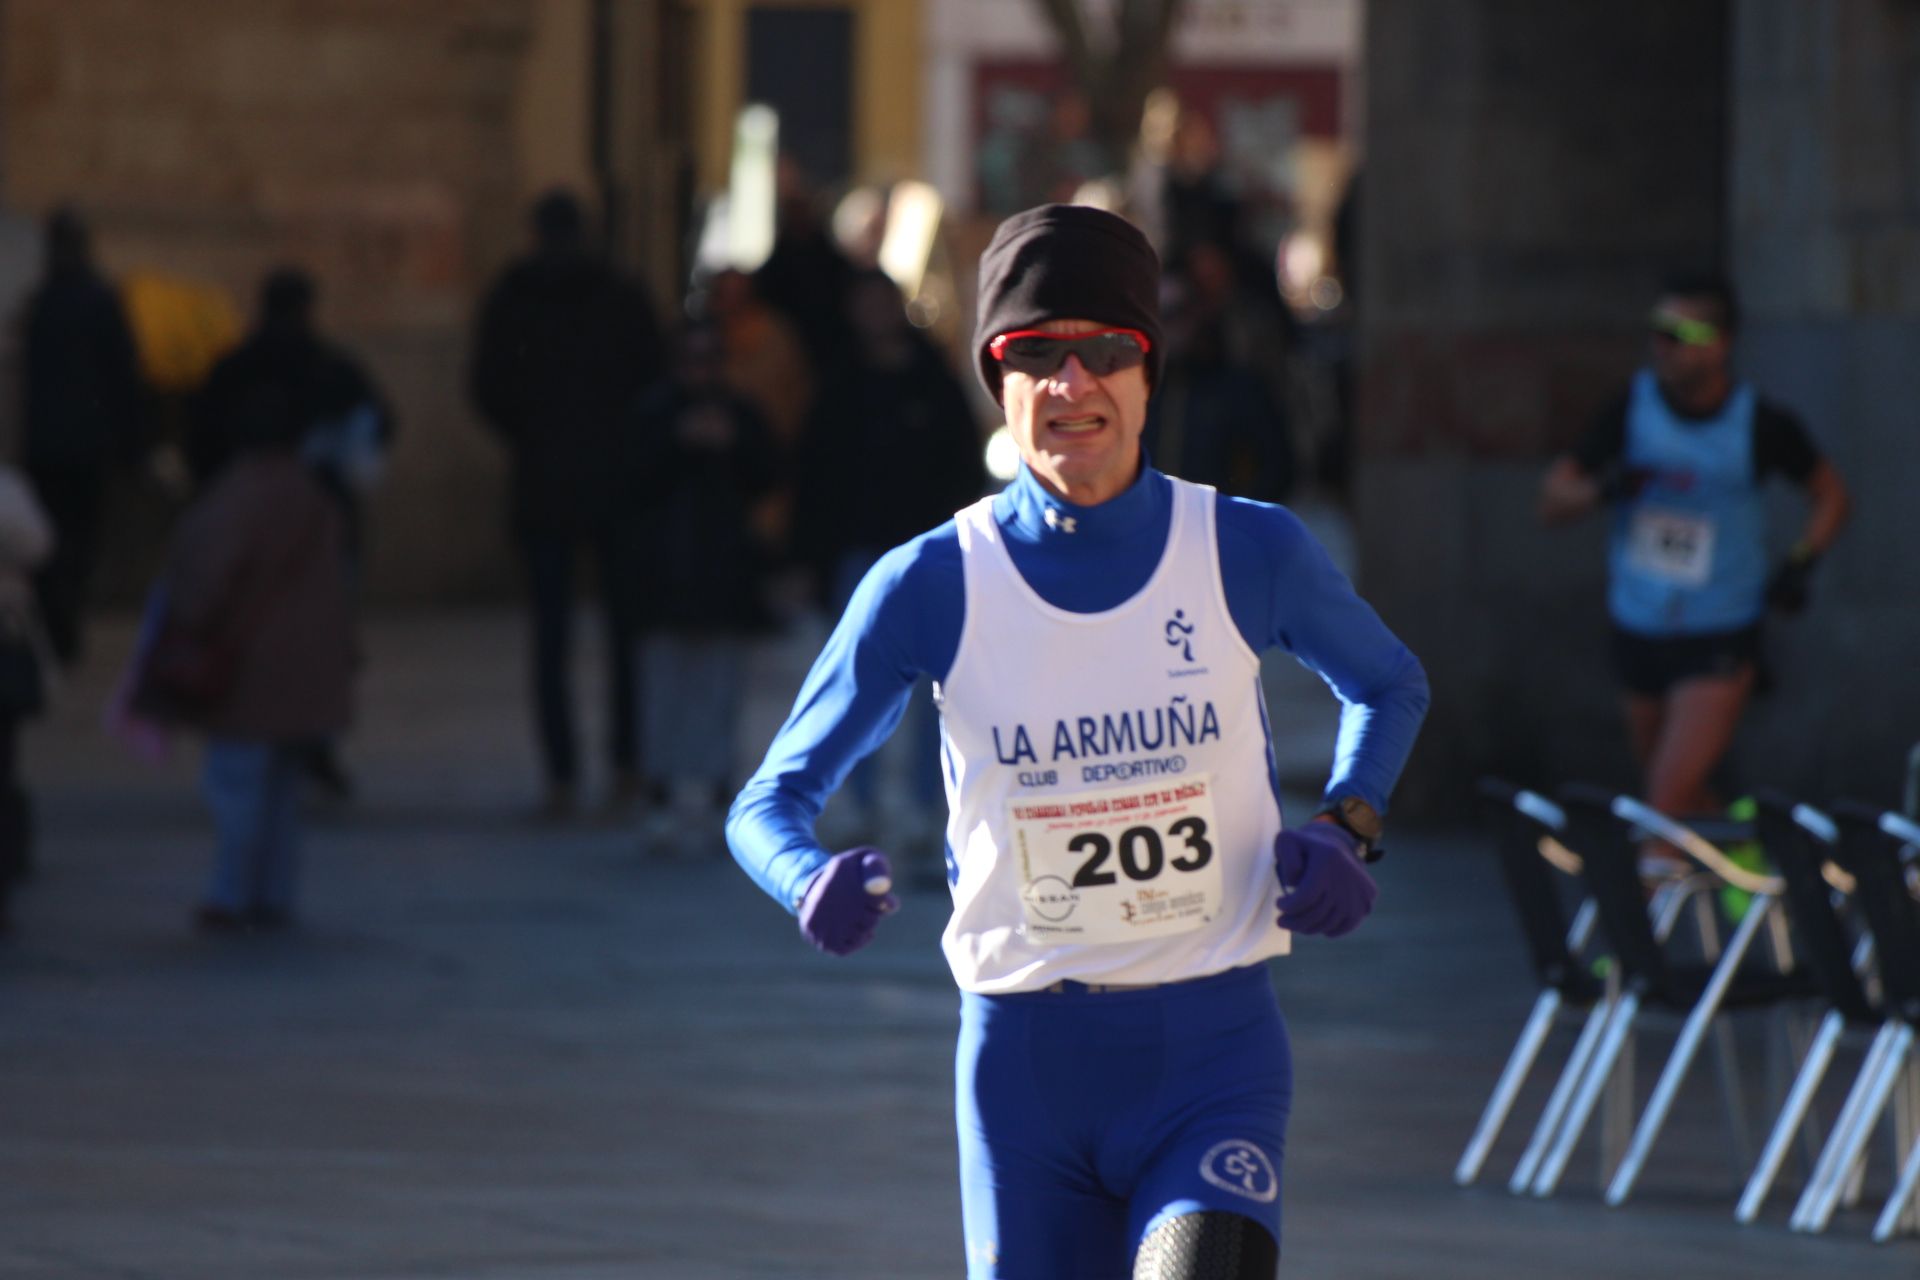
(1040, 355)
(1680, 329)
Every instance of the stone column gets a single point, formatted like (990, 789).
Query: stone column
(1532, 172)
(1825, 238)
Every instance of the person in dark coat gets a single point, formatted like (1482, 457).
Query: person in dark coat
(84, 408)
(892, 449)
(805, 277)
(329, 391)
(565, 343)
(1220, 418)
(706, 460)
(257, 601)
(346, 427)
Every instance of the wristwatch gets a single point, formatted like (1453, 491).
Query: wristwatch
(1361, 821)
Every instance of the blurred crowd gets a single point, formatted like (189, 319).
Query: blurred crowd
(725, 476)
(272, 439)
(719, 473)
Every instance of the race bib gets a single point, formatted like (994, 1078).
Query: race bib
(1671, 547)
(1118, 865)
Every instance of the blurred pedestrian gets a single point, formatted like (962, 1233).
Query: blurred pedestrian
(26, 539)
(892, 449)
(346, 427)
(1333, 450)
(1681, 458)
(764, 362)
(705, 461)
(805, 278)
(1221, 418)
(349, 423)
(1197, 202)
(564, 345)
(255, 652)
(1062, 156)
(83, 410)
(763, 357)
(19, 274)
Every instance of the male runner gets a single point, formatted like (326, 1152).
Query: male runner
(1681, 458)
(1116, 854)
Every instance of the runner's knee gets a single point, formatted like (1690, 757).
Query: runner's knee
(1210, 1245)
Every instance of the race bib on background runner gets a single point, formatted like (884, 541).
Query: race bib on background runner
(1671, 547)
(1118, 865)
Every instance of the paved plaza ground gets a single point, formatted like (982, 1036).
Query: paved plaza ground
(504, 1051)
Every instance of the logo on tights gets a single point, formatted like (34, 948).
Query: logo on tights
(1242, 1168)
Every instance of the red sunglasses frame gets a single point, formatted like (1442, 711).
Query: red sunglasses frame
(998, 347)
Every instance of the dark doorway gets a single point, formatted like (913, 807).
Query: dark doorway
(800, 63)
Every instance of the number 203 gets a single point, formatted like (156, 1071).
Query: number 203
(1142, 855)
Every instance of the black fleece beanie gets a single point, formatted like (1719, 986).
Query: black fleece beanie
(1067, 262)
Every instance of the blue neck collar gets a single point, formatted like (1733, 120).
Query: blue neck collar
(1036, 515)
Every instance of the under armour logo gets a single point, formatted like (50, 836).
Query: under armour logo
(1055, 520)
(1180, 634)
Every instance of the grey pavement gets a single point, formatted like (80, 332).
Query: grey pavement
(511, 1052)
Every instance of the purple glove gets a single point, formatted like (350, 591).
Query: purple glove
(845, 900)
(1329, 890)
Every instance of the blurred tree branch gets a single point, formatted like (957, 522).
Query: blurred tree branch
(1116, 78)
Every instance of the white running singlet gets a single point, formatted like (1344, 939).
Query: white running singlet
(1109, 775)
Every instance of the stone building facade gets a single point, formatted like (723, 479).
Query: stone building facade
(391, 149)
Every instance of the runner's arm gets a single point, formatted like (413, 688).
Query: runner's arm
(1578, 481)
(1830, 503)
(903, 621)
(1783, 444)
(1284, 591)
(1566, 492)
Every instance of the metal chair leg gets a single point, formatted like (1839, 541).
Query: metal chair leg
(1799, 1101)
(1563, 1088)
(1853, 1140)
(1896, 1114)
(1594, 1081)
(1900, 1205)
(1616, 1110)
(1812, 1131)
(1824, 1169)
(1706, 924)
(1855, 1187)
(1909, 1220)
(1902, 1199)
(1906, 1118)
(1698, 1022)
(1519, 1063)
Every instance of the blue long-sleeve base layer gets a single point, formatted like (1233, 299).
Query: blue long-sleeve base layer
(904, 621)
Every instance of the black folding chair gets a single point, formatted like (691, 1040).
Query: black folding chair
(1605, 828)
(1531, 847)
(1868, 849)
(1522, 821)
(1800, 841)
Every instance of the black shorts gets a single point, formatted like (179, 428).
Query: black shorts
(1651, 665)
